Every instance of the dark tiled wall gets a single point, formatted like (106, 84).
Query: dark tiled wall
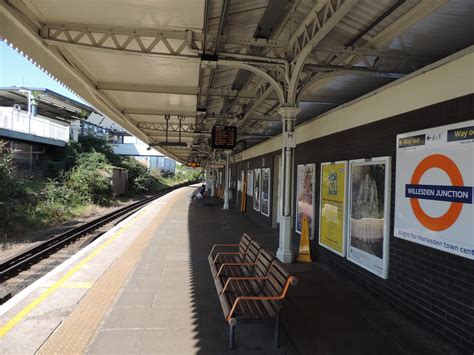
(256, 163)
(432, 287)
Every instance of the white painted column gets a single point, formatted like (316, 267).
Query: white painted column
(226, 181)
(208, 178)
(288, 114)
(213, 182)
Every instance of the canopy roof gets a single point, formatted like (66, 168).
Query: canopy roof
(205, 62)
(50, 103)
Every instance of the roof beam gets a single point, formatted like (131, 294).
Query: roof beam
(420, 11)
(161, 126)
(163, 42)
(368, 52)
(173, 134)
(323, 17)
(355, 71)
(154, 112)
(179, 90)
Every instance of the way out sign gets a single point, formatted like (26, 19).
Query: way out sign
(434, 188)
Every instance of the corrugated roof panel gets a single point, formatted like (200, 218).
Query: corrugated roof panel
(447, 30)
(135, 69)
(134, 100)
(138, 13)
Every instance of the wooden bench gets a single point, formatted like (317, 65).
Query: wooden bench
(234, 264)
(252, 290)
(233, 252)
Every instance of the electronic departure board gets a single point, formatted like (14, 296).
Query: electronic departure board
(224, 137)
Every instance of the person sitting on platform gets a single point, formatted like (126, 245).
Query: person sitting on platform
(203, 190)
(199, 193)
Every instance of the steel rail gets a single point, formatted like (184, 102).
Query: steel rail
(15, 264)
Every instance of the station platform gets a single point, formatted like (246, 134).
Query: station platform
(145, 287)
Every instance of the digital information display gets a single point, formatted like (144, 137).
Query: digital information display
(224, 137)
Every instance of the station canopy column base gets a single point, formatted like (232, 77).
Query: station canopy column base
(284, 253)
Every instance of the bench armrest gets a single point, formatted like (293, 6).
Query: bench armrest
(242, 278)
(290, 281)
(222, 245)
(225, 253)
(232, 264)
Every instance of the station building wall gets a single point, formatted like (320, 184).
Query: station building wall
(263, 161)
(434, 288)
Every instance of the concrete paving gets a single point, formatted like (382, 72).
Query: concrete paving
(166, 301)
(169, 303)
(29, 318)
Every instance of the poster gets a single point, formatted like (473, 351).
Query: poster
(250, 182)
(369, 215)
(305, 197)
(265, 192)
(333, 206)
(434, 188)
(242, 175)
(257, 189)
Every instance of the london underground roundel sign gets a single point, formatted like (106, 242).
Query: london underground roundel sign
(434, 193)
(451, 194)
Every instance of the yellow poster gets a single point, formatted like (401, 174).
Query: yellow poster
(332, 227)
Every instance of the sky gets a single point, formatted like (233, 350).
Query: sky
(16, 70)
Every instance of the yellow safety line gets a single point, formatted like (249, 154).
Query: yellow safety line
(35, 303)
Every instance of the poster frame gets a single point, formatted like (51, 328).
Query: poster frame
(311, 237)
(249, 191)
(345, 206)
(387, 213)
(269, 190)
(260, 189)
(412, 148)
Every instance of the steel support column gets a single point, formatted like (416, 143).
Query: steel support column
(226, 181)
(288, 115)
(213, 182)
(208, 179)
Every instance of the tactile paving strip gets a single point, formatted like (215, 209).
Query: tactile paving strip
(74, 334)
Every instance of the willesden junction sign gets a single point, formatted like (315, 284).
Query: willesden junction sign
(434, 188)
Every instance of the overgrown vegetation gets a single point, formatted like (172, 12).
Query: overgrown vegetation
(80, 180)
(14, 198)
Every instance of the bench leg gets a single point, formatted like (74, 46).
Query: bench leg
(277, 331)
(231, 337)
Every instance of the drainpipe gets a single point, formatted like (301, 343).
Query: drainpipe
(34, 104)
(33, 107)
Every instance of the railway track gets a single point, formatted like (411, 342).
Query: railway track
(26, 259)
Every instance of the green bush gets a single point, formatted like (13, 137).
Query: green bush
(139, 180)
(143, 183)
(82, 177)
(15, 201)
(89, 144)
(57, 202)
(91, 179)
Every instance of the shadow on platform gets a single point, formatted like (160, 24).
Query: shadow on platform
(324, 314)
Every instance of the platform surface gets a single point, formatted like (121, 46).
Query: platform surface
(150, 290)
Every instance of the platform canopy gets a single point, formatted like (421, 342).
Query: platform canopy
(168, 70)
